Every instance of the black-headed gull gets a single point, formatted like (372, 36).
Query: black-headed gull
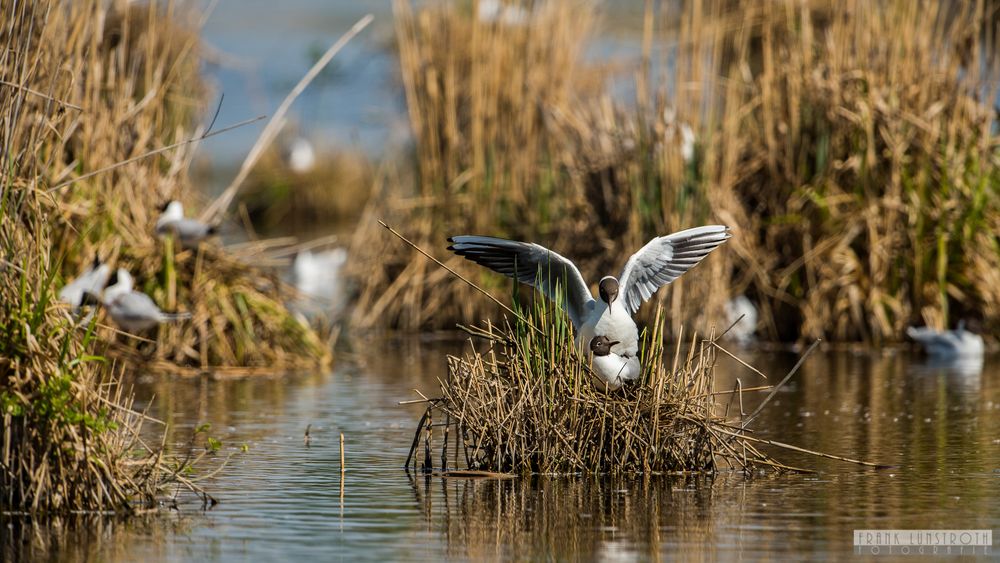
(661, 261)
(132, 310)
(187, 231)
(92, 280)
(612, 369)
(958, 343)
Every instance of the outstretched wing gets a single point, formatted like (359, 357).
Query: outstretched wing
(664, 259)
(528, 263)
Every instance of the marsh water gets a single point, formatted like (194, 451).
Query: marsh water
(284, 500)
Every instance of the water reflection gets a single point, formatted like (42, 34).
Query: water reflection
(938, 427)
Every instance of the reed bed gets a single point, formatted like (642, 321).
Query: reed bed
(862, 165)
(69, 438)
(851, 146)
(529, 404)
(132, 70)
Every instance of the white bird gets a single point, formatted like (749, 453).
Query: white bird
(317, 277)
(187, 231)
(958, 343)
(661, 261)
(91, 280)
(612, 369)
(495, 11)
(301, 156)
(741, 309)
(687, 143)
(132, 310)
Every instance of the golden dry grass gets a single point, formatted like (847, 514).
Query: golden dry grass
(850, 145)
(69, 439)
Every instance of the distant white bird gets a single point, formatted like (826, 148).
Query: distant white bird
(132, 310)
(612, 369)
(187, 231)
(301, 156)
(687, 143)
(958, 343)
(742, 309)
(661, 261)
(317, 277)
(687, 135)
(91, 280)
(495, 11)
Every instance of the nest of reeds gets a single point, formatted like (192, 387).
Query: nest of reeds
(530, 404)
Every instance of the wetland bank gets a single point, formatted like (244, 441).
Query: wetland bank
(835, 167)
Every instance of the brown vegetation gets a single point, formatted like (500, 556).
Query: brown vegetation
(137, 84)
(69, 439)
(850, 145)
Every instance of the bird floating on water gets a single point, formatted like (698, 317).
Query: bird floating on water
(187, 231)
(958, 343)
(132, 310)
(91, 280)
(661, 261)
(612, 369)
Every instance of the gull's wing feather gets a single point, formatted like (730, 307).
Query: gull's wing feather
(529, 263)
(664, 259)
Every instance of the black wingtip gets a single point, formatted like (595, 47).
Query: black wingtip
(451, 240)
(213, 229)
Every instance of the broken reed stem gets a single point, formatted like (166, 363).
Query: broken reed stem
(270, 131)
(343, 464)
(792, 372)
(741, 436)
(155, 152)
(454, 273)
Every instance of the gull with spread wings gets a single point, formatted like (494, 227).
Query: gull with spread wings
(661, 261)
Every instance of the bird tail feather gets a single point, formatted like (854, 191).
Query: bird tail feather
(176, 316)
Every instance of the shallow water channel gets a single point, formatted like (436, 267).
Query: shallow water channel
(283, 500)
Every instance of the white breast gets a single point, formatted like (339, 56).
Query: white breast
(615, 323)
(613, 370)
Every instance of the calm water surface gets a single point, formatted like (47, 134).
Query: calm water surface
(283, 500)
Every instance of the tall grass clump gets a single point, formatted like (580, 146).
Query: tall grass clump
(859, 160)
(133, 70)
(528, 403)
(69, 439)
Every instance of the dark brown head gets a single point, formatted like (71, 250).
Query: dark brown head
(608, 289)
(601, 345)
